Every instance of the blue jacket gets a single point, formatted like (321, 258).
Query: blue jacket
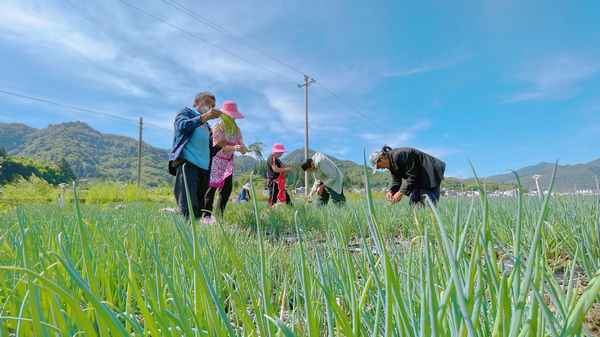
(186, 122)
(242, 195)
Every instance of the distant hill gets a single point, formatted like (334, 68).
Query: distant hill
(13, 134)
(243, 163)
(92, 154)
(568, 177)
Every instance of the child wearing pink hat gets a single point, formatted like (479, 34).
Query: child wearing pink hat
(276, 177)
(221, 169)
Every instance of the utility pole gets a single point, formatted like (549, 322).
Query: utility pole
(139, 168)
(305, 85)
(536, 177)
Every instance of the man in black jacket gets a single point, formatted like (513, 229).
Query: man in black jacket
(423, 173)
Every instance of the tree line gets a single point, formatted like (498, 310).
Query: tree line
(13, 168)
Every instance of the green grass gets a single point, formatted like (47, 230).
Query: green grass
(370, 268)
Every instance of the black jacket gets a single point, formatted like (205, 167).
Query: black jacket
(418, 168)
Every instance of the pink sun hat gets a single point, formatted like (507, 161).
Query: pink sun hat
(230, 109)
(278, 148)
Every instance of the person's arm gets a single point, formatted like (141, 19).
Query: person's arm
(239, 143)
(218, 142)
(412, 172)
(315, 184)
(328, 169)
(395, 194)
(218, 135)
(186, 122)
(281, 169)
(396, 183)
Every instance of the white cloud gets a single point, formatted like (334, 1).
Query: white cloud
(127, 87)
(88, 47)
(422, 124)
(49, 28)
(395, 138)
(555, 78)
(13, 18)
(441, 151)
(339, 150)
(421, 69)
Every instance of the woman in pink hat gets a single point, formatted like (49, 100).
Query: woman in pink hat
(222, 163)
(275, 177)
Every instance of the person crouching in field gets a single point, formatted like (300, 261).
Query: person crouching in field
(328, 179)
(423, 173)
(221, 171)
(244, 193)
(276, 178)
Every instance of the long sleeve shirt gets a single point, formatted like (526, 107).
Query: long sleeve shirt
(186, 123)
(419, 169)
(326, 172)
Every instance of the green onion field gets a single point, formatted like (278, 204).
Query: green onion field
(515, 266)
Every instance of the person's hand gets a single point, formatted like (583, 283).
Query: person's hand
(212, 113)
(397, 196)
(240, 148)
(389, 196)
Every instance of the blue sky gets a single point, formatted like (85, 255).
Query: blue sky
(506, 83)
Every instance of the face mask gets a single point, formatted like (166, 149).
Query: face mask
(203, 109)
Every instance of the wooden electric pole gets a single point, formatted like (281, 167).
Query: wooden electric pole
(139, 167)
(305, 85)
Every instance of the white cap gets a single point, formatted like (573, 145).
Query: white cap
(374, 158)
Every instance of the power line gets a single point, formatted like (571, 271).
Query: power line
(369, 119)
(203, 40)
(338, 110)
(211, 24)
(220, 29)
(80, 109)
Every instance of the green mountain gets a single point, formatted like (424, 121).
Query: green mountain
(13, 134)
(92, 154)
(243, 163)
(568, 177)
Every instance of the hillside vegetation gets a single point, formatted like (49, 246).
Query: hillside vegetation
(95, 155)
(568, 177)
(16, 168)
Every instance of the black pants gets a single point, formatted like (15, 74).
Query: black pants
(224, 193)
(418, 195)
(197, 180)
(273, 191)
